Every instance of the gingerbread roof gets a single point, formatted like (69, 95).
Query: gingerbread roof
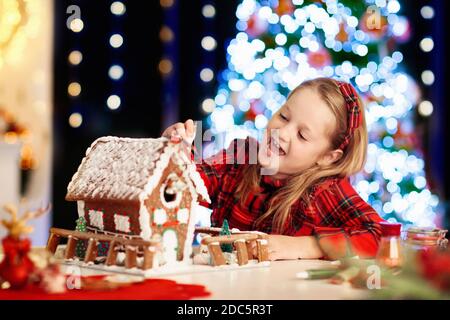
(126, 169)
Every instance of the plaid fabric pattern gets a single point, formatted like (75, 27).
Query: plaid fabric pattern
(343, 223)
(354, 116)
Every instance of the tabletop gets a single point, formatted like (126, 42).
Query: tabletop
(276, 281)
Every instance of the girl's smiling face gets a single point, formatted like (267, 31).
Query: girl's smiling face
(299, 136)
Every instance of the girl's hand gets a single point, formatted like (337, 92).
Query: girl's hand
(181, 132)
(292, 248)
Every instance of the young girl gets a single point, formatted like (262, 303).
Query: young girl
(316, 140)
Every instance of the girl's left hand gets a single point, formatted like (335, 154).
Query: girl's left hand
(291, 248)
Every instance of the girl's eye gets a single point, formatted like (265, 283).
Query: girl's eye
(283, 117)
(301, 136)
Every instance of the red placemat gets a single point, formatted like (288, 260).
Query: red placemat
(149, 289)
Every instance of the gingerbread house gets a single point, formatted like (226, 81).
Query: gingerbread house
(140, 188)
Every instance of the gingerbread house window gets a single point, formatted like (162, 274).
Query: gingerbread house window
(122, 223)
(96, 219)
(171, 191)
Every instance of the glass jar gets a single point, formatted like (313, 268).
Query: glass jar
(425, 238)
(390, 253)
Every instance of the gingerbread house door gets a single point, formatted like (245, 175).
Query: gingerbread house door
(170, 245)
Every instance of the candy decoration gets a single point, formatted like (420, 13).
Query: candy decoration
(81, 244)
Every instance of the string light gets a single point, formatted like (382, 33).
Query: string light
(426, 44)
(264, 64)
(427, 12)
(76, 25)
(165, 66)
(113, 102)
(209, 43)
(115, 72)
(208, 105)
(166, 34)
(118, 8)
(206, 74)
(427, 77)
(425, 108)
(75, 120)
(116, 40)
(208, 11)
(74, 89)
(75, 57)
(166, 3)
(260, 121)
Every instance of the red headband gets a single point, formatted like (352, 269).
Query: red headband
(354, 115)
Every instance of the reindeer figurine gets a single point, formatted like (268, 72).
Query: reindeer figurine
(17, 226)
(16, 265)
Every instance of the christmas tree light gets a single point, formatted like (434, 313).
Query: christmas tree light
(281, 43)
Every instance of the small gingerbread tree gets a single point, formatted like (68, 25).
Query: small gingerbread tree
(226, 247)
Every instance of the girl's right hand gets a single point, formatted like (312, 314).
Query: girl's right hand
(181, 132)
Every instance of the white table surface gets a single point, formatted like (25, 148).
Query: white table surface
(277, 281)
(274, 282)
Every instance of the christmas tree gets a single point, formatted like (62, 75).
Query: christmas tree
(80, 248)
(281, 43)
(226, 232)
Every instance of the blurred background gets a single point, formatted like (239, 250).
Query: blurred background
(72, 71)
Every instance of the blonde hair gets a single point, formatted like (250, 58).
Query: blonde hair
(300, 185)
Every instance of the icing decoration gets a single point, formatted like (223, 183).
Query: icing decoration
(170, 246)
(171, 204)
(159, 216)
(80, 208)
(144, 221)
(183, 215)
(125, 164)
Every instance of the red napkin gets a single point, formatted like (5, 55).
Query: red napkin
(149, 289)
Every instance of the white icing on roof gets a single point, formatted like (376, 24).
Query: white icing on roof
(124, 169)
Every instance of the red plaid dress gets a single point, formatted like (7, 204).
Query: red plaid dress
(343, 223)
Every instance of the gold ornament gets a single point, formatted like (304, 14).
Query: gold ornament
(13, 17)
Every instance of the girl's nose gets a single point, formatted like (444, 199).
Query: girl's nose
(283, 134)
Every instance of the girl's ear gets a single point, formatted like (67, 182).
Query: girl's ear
(330, 157)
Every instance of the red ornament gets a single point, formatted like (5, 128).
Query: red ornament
(285, 7)
(319, 59)
(434, 265)
(16, 265)
(256, 26)
(342, 35)
(251, 114)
